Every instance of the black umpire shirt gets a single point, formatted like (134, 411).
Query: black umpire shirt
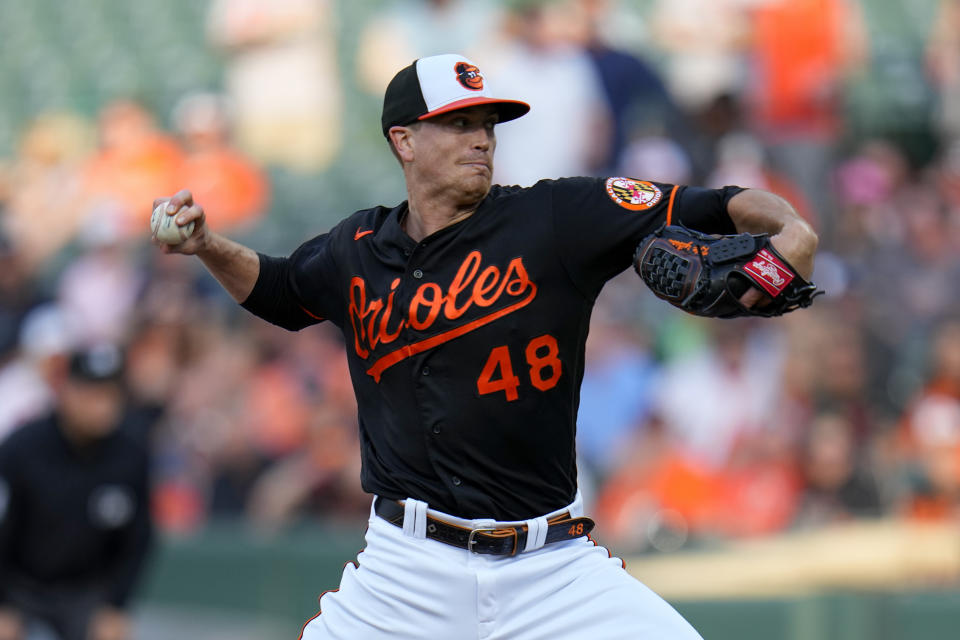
(466, 349)
(72, 518)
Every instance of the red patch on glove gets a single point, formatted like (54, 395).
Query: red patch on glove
(768, 271)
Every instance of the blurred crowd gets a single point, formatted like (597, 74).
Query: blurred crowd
(689, 430)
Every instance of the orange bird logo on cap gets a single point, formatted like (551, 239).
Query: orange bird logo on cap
(469, 76)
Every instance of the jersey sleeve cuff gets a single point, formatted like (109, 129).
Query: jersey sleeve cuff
(728, 192)
(273, 298)
(262, 297)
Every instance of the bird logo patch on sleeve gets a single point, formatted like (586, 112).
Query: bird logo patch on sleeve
(633, 195)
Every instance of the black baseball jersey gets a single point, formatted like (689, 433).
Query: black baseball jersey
(72, 518)
(466, 350)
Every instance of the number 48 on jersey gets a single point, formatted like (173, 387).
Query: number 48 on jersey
(541, 355)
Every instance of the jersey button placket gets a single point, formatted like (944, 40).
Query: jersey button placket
(417, 273)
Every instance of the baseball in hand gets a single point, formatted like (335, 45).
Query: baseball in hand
(165, 228)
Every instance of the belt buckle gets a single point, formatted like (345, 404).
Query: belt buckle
(474, 532)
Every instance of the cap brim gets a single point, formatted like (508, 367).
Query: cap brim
(506, 109)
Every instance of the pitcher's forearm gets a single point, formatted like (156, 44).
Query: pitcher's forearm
(235, 266)
(758, 211)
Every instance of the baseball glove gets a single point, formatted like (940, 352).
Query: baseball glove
(706, 274)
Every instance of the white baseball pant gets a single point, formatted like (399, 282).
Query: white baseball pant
(408, 586)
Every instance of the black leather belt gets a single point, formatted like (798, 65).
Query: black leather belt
(504, 541)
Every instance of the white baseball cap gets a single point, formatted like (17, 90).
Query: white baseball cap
(438, 84)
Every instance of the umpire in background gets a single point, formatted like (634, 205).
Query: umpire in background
(74, 511)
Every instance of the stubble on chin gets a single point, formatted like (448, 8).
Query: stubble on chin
(475, 188)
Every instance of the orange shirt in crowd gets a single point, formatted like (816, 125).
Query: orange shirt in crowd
(748, 500)
(800, 52)
(130, 178)
(135, 163)
(232, 190)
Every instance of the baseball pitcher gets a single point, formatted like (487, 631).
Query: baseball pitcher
(465, 311)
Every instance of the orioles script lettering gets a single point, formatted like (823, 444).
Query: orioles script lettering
(379, 322)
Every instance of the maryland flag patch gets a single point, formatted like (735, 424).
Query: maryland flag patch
(633, 195)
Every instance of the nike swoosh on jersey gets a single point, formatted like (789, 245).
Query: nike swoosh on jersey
(359, 234)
